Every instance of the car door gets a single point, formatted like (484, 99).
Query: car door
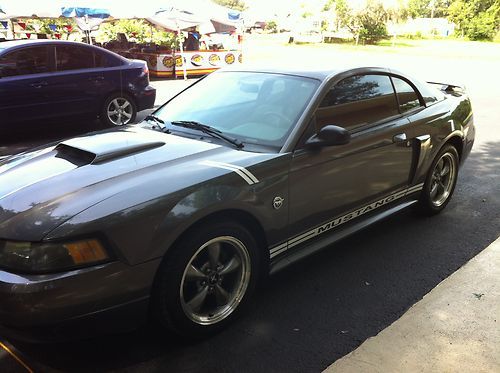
(24, 84)
(76, 83)
(334, 180)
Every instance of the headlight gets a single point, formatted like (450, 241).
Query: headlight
(50, 257)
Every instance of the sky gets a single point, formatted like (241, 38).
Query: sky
(267, 8)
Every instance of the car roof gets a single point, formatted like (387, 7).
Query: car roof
(11, 45)
(319, 73)
(24, 42)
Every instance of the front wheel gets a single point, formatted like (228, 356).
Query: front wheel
(118, 109)
(440, 182)
(206, 280)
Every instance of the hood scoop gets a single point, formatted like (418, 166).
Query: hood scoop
(104, 148)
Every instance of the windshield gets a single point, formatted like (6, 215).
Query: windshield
(256, 108)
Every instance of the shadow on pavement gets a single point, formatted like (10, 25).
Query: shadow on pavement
(25, 135)
(313, 313)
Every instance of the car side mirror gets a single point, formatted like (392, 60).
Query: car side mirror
(328, 136)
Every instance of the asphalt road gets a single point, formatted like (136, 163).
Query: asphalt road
(313, 313)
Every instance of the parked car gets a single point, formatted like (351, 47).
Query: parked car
(241, 174)
(41, 79)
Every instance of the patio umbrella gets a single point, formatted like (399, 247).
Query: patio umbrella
(88, 14)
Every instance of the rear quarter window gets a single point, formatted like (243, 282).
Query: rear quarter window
(407, 97)
(103, 59)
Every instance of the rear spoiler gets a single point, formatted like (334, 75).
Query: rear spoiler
(449, 88)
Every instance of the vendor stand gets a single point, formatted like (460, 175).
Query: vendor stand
(175, 63)
(202, 45)
(217, 31)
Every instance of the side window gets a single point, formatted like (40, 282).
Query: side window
(25, 61)
(407, 97)
(104, 60)
(73, 58)
(357, 101)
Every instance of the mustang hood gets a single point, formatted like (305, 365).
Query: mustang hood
(41, 189)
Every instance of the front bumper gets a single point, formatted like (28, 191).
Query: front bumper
(105, 298)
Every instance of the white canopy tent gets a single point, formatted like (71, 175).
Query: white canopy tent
(174, 15)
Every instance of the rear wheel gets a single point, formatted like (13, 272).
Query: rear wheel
(440, 182)
(119, 109)
(206, 280)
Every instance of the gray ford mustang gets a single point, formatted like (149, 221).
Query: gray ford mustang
(176, 219)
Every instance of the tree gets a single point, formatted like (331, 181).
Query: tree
(476, 19)
(344, 15)
(372, 21)
(428, 8)
(367, 24)
(233, 4)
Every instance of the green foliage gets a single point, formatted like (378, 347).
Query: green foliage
(272, 27)
(476, 19)
(367, 24)
(41, 26)
(482, 27)
(233, 4)
(428, 8)
(135, 29)
(344, 15)
(164, 38)
(372, 22)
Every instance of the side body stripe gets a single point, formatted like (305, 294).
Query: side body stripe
(281, 248)
(241, 171)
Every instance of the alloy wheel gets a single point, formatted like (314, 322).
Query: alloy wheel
(442, 179)
(120, 111)
(215, 280)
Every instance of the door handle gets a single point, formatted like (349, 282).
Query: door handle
(400, 137)
(39, 84)
(96, 78)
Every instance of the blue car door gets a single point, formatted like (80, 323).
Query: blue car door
(77, 83)
(24, 84)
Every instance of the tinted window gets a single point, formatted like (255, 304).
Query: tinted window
(73, 58)
(357, 101)
(105, 60)
(25, 61)
(407, 97)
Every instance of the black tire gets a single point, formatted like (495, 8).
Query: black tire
(174, 286)
(124, 113)
(429, 202)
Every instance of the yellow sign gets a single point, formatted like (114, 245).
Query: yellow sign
(229, 58)
(168, 62)
(197, 60)
(214, 59)
(178, 61)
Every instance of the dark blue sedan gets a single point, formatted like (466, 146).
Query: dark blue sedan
(41, 79)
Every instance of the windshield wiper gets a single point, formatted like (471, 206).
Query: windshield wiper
(191, 124)
(160, 122)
